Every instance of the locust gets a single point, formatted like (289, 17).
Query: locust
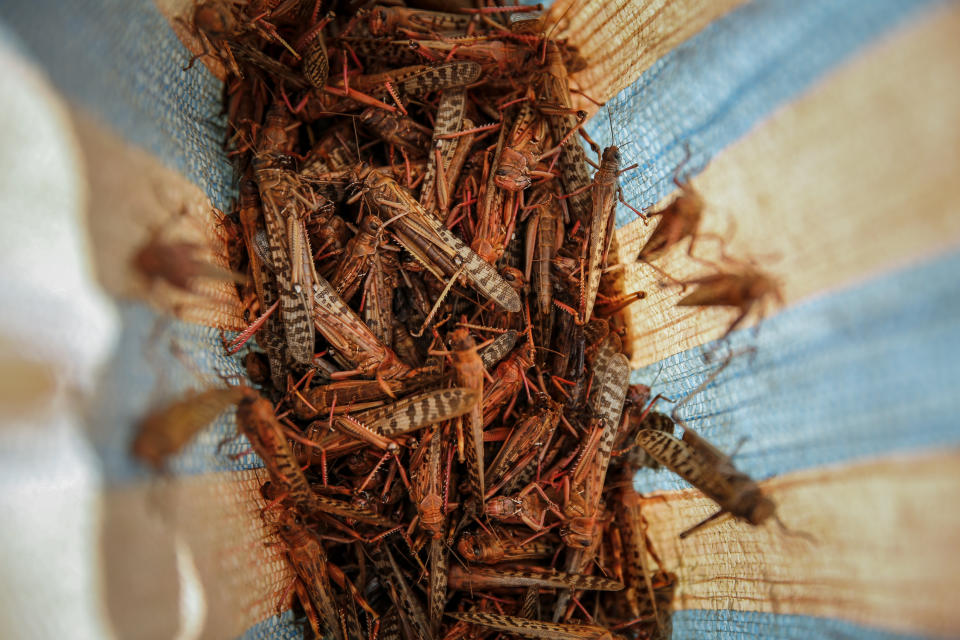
(545, 230)
(284, 213)
(450, 116)
(743, 289)
(708, 469)
(530, 434)
(417, 411)
(430, 507)
(494, 211)
(178, 264)
(521, 151)
(351, 338)
(324, 504)
(611, 374)
(527, 628)
(415, 80)
(677, 221)
(166, 431)
(638, 414)
(647, 591)
(251, 222)
(396, 129)
(217, 28)
(427, 488)
(347, 395)
(359, 253)
(489, 548)
(604, 192)
(572, 159)
(530, 507)
(426, 238)
(256, 421)
(328, 162)
(390, 20)
(307, 556)
(378, 297)
(408, 605)
(400, 418)
(485, 578)
(508, 379)
(470, 373)
(705, 467)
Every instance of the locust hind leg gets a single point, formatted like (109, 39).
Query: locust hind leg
(703, 523)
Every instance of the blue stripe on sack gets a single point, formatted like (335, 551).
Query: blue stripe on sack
(157, 360)
(715, 87)
(123, 63)
(860, 373)
(282, 627)
(753, 625)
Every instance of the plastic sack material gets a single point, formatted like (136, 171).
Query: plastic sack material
(822, 135)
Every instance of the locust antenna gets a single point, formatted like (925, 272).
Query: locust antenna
(556, 23)
(796, 533)
(356, 136)
(659, 373)
(610, 122)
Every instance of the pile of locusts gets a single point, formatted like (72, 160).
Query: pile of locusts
(443, 409)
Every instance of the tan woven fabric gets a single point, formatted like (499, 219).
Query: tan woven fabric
(620, 40)
(891, 509)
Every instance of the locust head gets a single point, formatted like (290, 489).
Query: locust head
(431, 513)
(214, 19)
(763, 509)
(478, 548)
(689, 205)
(580, 532)
(751, 505)
(757, 285)
(513, 173)
(292, 530)
(469, 547)
(514, 277)
(376, 20)
(371, 225)
(610, 159)
(461, 340)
